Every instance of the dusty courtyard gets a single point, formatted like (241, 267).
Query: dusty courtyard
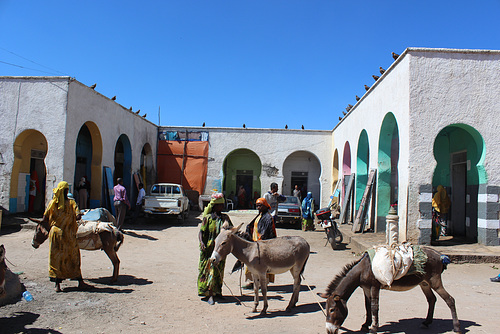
(156, 291)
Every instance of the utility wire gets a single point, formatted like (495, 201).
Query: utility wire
(31, 61)
(27, 68)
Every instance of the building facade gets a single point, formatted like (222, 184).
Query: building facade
(55, 129)
(429, 120)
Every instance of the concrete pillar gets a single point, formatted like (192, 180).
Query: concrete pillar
(391, 234)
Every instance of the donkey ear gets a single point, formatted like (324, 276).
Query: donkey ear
(323, 295)
(236, 229)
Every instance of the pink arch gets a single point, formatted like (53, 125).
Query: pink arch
(346, 166)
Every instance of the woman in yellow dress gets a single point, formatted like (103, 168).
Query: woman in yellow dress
(64, 255)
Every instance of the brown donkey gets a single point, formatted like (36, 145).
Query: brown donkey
(111, 242)
(272, 256)
(359, 273)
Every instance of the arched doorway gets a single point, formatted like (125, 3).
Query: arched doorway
(388, 157)
(88, 161)
(146, 167)
(27, 183)
(242, 168)
(335, 172)
(346, 169)
(362, 165)
(302, 168)
(459, 151)
(123, 161)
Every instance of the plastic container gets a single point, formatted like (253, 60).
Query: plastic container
(323, 214)
(27, 296)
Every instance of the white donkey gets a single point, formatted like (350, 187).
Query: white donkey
(273, 256)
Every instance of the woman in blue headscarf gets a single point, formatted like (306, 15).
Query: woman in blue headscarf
(308, 213)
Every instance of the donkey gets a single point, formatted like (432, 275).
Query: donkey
(359, 273)
(3, 269)
(274, 256)
(111, 242)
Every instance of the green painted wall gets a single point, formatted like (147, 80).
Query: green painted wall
(242, 159)
(456, 138)
(362, 166)
(388, 131)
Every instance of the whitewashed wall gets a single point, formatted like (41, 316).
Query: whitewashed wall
(57, 107)
(390, 93)
(32, 103)
(272, 146)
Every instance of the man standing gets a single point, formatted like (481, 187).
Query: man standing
(140, 201)
(273, 198)
(120, 200)
(297, 193)
(261, 228)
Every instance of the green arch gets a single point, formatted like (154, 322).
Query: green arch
(388, 156)
(456, 138)
(241, 160)
(362, 165)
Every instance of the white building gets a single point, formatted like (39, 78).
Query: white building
(431, 119)
(55, 129)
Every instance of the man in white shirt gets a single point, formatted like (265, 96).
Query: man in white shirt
(140, 201)
(273, 198)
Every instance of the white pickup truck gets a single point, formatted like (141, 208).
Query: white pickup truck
(167, 199)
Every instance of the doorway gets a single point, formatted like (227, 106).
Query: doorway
(458, 194)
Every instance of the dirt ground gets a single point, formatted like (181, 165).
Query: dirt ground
(156, 291)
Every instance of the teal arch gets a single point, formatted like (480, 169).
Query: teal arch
(239, 165)
(362, 165)
(83, 156)
(123, 162)
(388, 157)
(456, 138)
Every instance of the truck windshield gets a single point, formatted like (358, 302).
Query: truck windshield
(165, 189)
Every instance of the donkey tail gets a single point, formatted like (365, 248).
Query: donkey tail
(119, 239)
(304, 266)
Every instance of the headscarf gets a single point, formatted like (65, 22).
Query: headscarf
(59, 194)
(306, 205)
(441, 201)
(217, 198)
(263, 201)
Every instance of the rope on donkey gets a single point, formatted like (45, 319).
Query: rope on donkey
(317, 301)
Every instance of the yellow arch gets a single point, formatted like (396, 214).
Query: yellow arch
(25, 142)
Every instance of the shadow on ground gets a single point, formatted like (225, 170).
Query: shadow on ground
(18, 321)
(123, 280)
(412, 326)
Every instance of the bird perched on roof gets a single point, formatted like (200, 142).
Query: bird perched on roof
(93, 86)
(130, 108)
(340, 118)
(286, 126)
(138, 111)
(144, 115)
(203, 125)
(375, 77)
(344, 113)
(302, 127)
(244, 126)
(382, 71)
(395, 56)
(367, 87)
(358, 98)
(349, 107)
(113, 98)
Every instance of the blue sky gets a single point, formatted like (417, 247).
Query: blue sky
(225, 63)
